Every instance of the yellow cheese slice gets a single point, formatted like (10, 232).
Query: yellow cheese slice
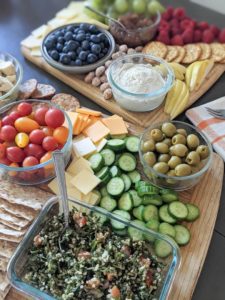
(100, 145)
(53, 185)
(116, 125)
(66, 13)
(36, 51)
(85, 182)
(96, 131)
(78, 165)
(31, 42)
(84, 147)
(40, 31)
(76, 5)
(54, 23)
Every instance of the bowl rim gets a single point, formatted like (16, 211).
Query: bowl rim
(163, 90)
(19, 79)
(50, 161)
(180, 178)
(59, 65)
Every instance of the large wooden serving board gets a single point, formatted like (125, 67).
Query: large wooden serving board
(94, 94)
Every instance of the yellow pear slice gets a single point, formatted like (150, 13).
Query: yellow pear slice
(181, 103)
(179, 70)
(173, 95)
(188, 74)
(205, 68)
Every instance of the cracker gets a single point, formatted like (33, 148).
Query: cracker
(206, 51)
(181, 54)
(7, 248)
(43, 91)
(11, 235)
(12, 221)
(218, 52)
(3, 263)
(17, 210)
(193, 52)
(27, 88)
(172, 53)
(4, 285)
(66, 101)
(156, 48)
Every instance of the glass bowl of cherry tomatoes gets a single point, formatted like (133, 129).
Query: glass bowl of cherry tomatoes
(29, 132)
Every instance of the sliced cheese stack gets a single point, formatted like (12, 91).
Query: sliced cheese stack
(7, 76)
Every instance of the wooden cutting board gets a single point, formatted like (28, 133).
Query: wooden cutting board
(94, 94)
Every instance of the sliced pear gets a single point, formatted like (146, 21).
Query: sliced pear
(173, 95)
(205, 68)
(188, 74)
(178, 67)
(181, 103)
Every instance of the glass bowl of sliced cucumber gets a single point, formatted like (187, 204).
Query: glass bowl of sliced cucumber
(174, 155)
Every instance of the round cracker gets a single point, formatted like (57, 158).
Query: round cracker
(66, 101)
(223, 61)
(193, 52)
(218, 52)
(27, 88)
(43, 91)
(181, 54)
(172, 53)
(155, 48)
(206, 51)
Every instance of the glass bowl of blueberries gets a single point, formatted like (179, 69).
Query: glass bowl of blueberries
(78, 48)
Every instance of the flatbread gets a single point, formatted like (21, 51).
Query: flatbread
(4, 284)
(66, 101)
(172, 53)
(3, 263)
(17, 210)
(206, 51)
(43, 91)
(7, 249)
(193, 52)
(12, 221)
(11, 235)
(156, 48)
(181, 54)
(218, 52)
(27, 88)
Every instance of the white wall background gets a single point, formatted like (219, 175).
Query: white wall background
(217, 5)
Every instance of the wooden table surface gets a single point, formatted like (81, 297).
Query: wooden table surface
(19, 17)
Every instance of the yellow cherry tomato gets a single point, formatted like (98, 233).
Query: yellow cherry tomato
(25, 124)
(22, 139)
(61, 134)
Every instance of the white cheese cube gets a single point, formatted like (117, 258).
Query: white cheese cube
(84, 147)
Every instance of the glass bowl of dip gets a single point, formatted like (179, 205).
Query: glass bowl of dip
(140, 82)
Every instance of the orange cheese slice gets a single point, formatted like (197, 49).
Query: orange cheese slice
(73, 118)
(96, 131)
(116, 125)
(77, 126)
(90, 112)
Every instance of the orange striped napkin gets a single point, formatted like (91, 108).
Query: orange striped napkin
(213, 128)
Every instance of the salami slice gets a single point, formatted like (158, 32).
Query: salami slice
(66, 101)
(43, 91)
(27, 88)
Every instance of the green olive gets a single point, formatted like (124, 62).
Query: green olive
(193, 158)
(192, 141)
(161, 167)
(169, 129)
(170, 180)
(148, 146)
(174, 161)
(178, 139)
(183, 170)
(150, 158)
(182, 131)
(203, 151)
(162, 148)
(195, 169)
(179, 150)
(156, 135)
(164, 158)
(171, 173)
(167, 141)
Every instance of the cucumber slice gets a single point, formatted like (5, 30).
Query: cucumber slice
(119, 136)
(152, 199)
(147, 190)
(108, 203)
(121, 232)
(132, 144)
(115, 186)
(116, 144)
(153, 225)
(125, 202)
(150, 212)
(116, 224)
(178, 210)
(162, 248)
(134, 233)
(97, 162)
(182, 236)
(100, 217)
(108, 156)
(141, 183)
(168, 229)
(115, 171)
(103, 191)
(127, 182)
(165, 216)
(168, 195)
(193, 212)
(98, 194)
(134, 176)
(138, 212)
(127, 162)
(102, 173)
(135, 198)
(105, 179)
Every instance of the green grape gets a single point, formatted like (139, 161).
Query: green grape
(97, 3)
(155, 6)
(121, 6)
(91, 14)
(139, 6)
(111, 12)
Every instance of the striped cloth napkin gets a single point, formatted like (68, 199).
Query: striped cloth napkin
(213, 128)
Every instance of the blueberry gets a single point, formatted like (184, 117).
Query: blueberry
(92, 58)
(60, 40)
(54, 55)
(70, 28)
(49, 43)
(105, 50)
(72, 55)
(84, 27)
(73, 63)
(85, 45)
(95, 39)
(58, 34)
(76, 30)
(78, 62)
(83, 55)
(81, 32)
(65, 49)
(68, 36)
(101, 55)
(96, 49)
(102, 45)
(65, 59)
(106, 43)
(59, 47)
(80, 37)
(72, 45)
(93, 29)
(79, 49)
(102, 36)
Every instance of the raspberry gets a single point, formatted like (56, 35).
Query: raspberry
(175, 31)
(188, 36)
(177, 40)
(174, 23)
(186, 23)
(170, 11)
(222, 36)
(215, 30)
(164, 25)
(197, 36)
(163, 37)
(207, 36)
(179, 13)
(165, 16)
(203, 25)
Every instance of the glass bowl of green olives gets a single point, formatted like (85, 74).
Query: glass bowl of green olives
(174, 155)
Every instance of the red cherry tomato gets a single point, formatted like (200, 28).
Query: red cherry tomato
(13, 173)
(8, 133)
(48, 131)
(60, 147)
(54, 118)
(49, 143)
(15, 115)
(8, 120)
(34, 150)
(2, 150)
(39, 115)
(15, 154)
(30, 161)
(36, 136)
(0, 124)
(24, 108)
(5, 161)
